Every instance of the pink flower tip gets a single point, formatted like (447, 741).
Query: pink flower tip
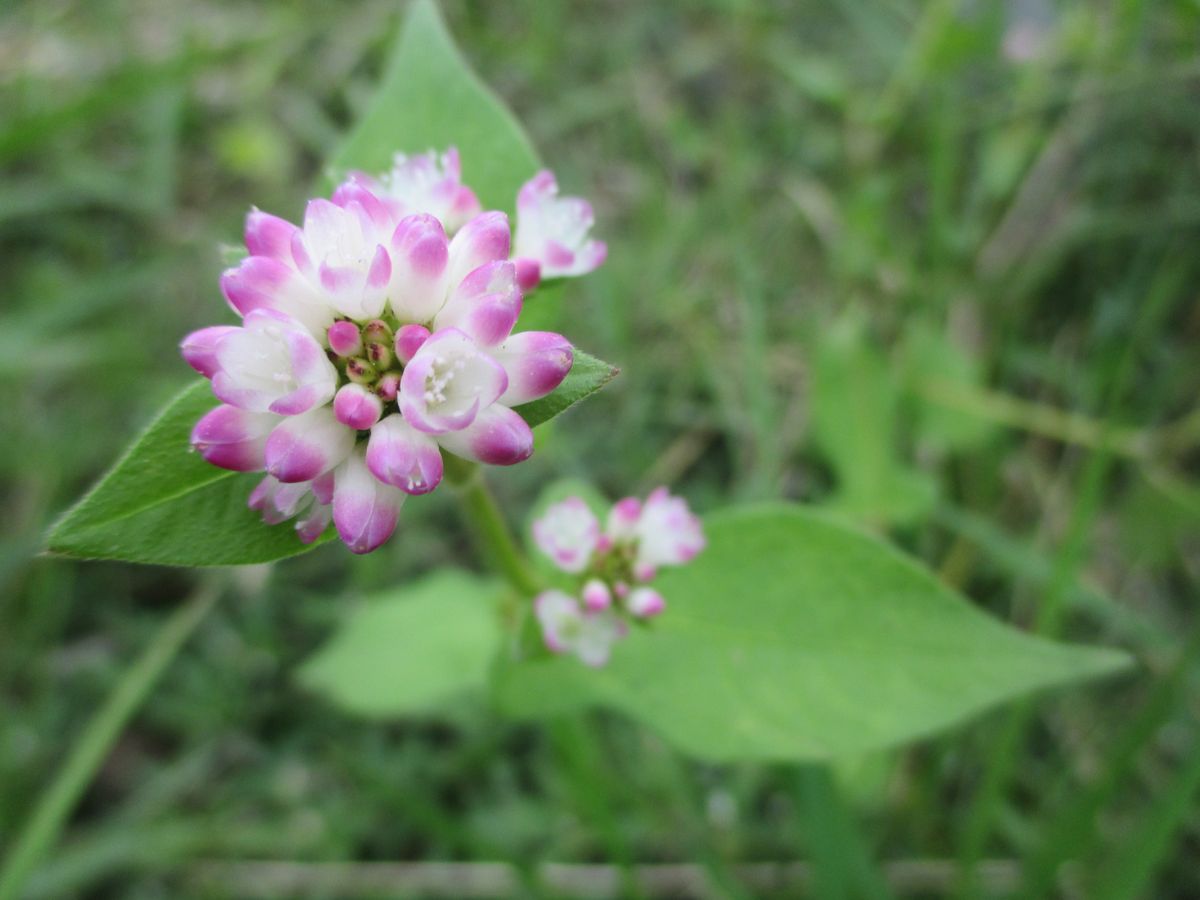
(596, 595)
(357, 407)
(409, 339)
(344, 338)
(645, 602)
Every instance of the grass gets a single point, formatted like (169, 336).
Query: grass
(1012, 237)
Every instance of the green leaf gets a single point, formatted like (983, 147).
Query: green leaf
(410, 650)
(854, 420)
(793, 637)
(587, 376)
(430, 99)
(162, 503)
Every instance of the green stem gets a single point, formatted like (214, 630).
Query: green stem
(53, 808)
(495, 539)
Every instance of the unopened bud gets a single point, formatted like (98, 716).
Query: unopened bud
(356, 406)
(377, 332)
(596, 595)
(360, 371)
(344, 339)
(388, 386)
(380, 355)
(409, 339)
(378, 340)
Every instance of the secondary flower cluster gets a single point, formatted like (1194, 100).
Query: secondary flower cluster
(378, 335)
(614, 566)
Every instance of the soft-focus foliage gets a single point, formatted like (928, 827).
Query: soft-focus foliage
(768, 650)
(1017, 181)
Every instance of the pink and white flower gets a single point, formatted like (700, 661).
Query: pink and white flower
(645, 602)
(365, 510)
(667, 533)
(568, 532)
(302, 447)
(553, 233)
(402, 456)
(306, 500)
(376, 336)
(271, 364)
(233, 438)
(566, 628)
(424, 183)
(613, 566)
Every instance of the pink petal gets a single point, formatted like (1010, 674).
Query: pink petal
(233, 438)
(268, 235)
(312, 526)
(645, 602)
(534, 192)
(596, 595)
(257, 282)
(302, 447)
(555, 612)
(623, 517)
(364, 509)
(340, 280)
(399, 455)
(529, 273)
(409, 339)
(355, 196)
(536, 363)
(264, 283)
(322, 488)
(567, 532)
(380, 272)
(463, 207)
(498, 436)
(486, 304)
(420, 254)
(357, 407)
(199, 348)
(300, 400)
(344, 338)
(484, 239)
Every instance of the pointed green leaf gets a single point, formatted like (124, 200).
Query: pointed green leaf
(162, 503)
(412, 649)
(430, 99)
(794, 637)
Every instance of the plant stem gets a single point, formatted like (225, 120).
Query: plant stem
(92, 747)
(495, 539)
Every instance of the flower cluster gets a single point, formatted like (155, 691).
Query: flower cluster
(614, 566)
(378, 335)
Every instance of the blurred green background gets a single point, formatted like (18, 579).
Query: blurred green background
(933, 265)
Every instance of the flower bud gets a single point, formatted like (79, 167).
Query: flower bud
(596, 595)
(356, 407)
(360, 371)
(409, 340)
(344, 338)
(388, 387)
(377, 337)
(645, 603)
(380, 355)
(377, 332)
